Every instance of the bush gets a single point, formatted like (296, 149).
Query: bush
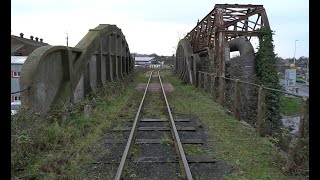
(35, 136)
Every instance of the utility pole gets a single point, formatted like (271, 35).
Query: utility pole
(67, 39)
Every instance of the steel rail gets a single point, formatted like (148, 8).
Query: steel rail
(178, 143)
(131, 136)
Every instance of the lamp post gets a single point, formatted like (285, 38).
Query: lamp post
(294, 57)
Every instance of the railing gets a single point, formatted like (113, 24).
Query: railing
(207, 82)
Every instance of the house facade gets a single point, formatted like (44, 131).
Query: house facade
(16, 65)
(143, 60)
(21, 47)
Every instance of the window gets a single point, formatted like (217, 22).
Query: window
(15, 74)
(16, 98)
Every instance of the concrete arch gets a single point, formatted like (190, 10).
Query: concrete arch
(54, 72)
(246, 58)
(242, 67)
(186, 62)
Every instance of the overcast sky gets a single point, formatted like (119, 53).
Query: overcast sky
(151, 26)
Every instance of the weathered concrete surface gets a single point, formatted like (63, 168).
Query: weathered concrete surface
(186, 62)
(93, 72)
(55, 73)
(79, 92)
(155, 87)
(46, 76)
(246, 58)
(242, 67)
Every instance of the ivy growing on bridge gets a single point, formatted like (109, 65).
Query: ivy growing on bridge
(267, 76)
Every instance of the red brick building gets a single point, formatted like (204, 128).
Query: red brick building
(21, 46)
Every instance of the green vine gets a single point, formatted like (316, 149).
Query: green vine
(267, 76)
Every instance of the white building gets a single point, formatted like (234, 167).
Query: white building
(16, 65)
(143, 60)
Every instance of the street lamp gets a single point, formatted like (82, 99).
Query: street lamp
(294, 58)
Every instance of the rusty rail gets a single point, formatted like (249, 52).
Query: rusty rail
(182, 157)
(131, 136)
(183, 163)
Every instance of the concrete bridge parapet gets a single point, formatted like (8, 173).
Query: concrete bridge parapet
(60, 73)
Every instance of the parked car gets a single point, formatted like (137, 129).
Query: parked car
(300, 81)
(15, 107)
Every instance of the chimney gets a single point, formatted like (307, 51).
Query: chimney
(21, 35)
(31, 37)
(41, 40)
(37, 39)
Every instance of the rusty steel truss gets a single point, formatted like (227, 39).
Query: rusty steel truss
(226, 22)
(230, 21)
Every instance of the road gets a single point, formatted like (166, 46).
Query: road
(303, 89)
(292, 122)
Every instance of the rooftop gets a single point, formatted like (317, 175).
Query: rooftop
(143, 58)
(29, 41)
(18, 59)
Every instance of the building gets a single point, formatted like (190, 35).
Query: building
(143, 60)
(16, 65)
(20, 49)
(21, 46)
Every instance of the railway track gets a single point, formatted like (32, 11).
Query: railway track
(183, 163)
(150, 144)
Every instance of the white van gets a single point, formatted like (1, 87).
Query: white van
(15, 107)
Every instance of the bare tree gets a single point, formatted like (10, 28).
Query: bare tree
(181, 35)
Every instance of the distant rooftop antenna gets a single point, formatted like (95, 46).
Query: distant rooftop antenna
(67, 39)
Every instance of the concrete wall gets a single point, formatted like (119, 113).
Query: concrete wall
(46, 80)
(186, 62)
(93, 72)
(79, 92)
(65, 74)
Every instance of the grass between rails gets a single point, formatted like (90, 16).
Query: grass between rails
(60, 145)
(251, 156)
(154, 106)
